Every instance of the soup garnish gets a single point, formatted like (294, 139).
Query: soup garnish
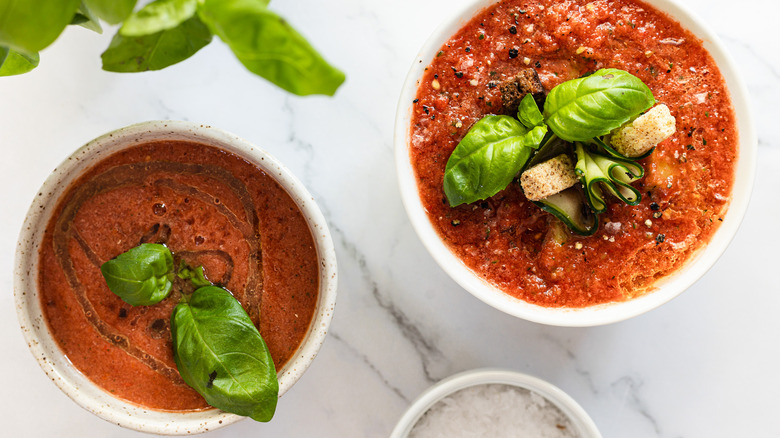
(583, 113)
(218, 350)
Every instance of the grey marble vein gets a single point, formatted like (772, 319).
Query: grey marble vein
(627, 388)
(426, 349)
(582, 371)
(365, 359)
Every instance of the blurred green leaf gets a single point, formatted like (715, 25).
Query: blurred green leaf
(28, 26)
(15, 63)
(158, 16)
(112, 11)
(269, 47)
(158, 50)
(86, 19)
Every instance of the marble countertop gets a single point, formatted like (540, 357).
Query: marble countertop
(705, 364)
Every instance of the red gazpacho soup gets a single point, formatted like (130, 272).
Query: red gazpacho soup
(509, 241)
(212, 209)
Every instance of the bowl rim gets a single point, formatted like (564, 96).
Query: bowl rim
(664, 290)
(36, 331)
(580, 419)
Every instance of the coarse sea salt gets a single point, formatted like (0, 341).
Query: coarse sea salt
(495, 411)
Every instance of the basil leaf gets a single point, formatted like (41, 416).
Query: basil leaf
(15, 63)
(86, 19)
(220, 354)
(488, 157)
(196, 275)
(28, 26)
(528, 113)
(158, 50)
(141, 276)
(535, 137)
(158, 16)
(112, 11)
(581, 109)
(269, 47)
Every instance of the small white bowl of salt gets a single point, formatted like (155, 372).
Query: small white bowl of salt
(494, 403)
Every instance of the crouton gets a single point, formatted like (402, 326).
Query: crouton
(525, 82)
(644, 133)
(548, 178)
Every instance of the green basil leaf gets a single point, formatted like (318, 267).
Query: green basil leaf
(269, 47)
(112, 11)
(141, 276)
(588, 107)
(86, 19)
(156, 51)
(220, 354)
(528, 113)
(488, 157)
(158, 16)
(535, 137)
(28, 26)
(196, 275)
(15, 63)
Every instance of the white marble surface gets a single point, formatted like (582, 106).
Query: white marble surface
(704, 365)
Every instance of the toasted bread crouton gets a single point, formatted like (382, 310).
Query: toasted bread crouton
(644, 133)
(514, 90)
(548, 178)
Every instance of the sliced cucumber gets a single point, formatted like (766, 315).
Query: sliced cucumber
(599, 172)
(571, 207)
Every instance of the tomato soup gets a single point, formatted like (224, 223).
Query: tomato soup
(211, 208)
(508, 240)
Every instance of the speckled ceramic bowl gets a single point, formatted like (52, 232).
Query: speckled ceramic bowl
(583, 425)
(28, 306)
(667, 288)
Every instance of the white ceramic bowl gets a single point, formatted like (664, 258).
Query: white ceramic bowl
(666, 289)
(35, 328)
(581, 422)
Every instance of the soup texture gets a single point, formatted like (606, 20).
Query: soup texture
(508, 240)
(211, 208)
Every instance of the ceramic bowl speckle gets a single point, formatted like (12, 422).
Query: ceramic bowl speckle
(35, 328)
(667, 288)
(583, 425)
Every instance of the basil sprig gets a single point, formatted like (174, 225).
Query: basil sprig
(141, 276)
(165, 32)
(220, 353)
(218, 350)
(593, 106)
